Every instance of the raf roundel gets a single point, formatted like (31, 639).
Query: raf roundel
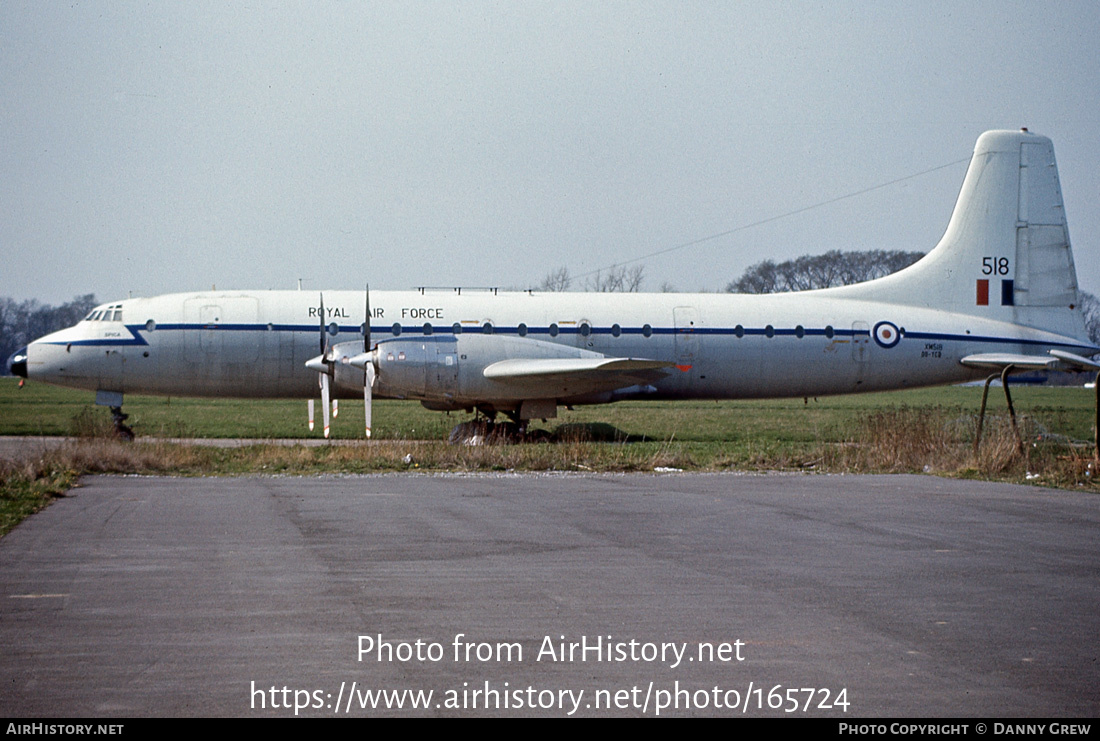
(886, 334)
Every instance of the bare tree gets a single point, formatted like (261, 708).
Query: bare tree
(20, 323)
(619, 279)
(760, 278)
(834, 268)
(1090, 307)
(634, 279)
(600, 283)
(557, 280)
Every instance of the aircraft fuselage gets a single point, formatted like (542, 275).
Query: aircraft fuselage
(255, 343)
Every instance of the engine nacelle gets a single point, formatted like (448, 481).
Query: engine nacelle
(447, 371)
(417, 368)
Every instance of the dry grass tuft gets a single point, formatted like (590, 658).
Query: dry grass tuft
(929, 440)
(90, 422)
(900, 440)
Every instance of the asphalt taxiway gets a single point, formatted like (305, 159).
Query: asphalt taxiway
(914, 595)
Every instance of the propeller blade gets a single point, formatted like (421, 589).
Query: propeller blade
(323, 366)
(367, 389)
(321, 314)
(335, 408)
(366, 326)
(325, 404)
(368, 368)
(311, 415)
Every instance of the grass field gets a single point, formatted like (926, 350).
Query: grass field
(927, 430)
(38, 409)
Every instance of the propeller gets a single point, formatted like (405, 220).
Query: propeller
(326, 402)
(368, 368)
(365, 361)
(323, 365)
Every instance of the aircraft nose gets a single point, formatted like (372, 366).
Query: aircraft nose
(17, 363)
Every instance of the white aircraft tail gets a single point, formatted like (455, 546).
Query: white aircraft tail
(1006, 252)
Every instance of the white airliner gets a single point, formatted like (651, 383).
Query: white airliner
(999, 289)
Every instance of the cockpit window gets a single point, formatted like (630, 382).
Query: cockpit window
(105, 314)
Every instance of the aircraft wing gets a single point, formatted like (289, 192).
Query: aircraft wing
(1055, 360)
(568, 376)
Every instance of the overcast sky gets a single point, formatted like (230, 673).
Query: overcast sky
(157, 147)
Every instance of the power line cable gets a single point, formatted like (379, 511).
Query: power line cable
(770, 219)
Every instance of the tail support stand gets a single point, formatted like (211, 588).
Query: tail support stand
(1096, 448)
(981, 413)
(1011, 410)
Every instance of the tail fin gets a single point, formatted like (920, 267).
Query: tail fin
(1006, 252)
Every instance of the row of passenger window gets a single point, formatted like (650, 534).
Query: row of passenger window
(799, 331)
(584, 329)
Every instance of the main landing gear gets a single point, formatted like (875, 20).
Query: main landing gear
(483, 430)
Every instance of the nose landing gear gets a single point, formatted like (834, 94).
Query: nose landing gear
(123, 430)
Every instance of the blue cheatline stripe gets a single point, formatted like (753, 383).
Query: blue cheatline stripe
(442, 337)
(977, 338)
(134, 339)
(444, 333)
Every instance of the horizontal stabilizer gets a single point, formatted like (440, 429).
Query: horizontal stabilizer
(1056, 360)
(1078, 362)
(998, 360)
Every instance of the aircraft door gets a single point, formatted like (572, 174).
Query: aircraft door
(686, 319)
(209, 337)
(287, 367)
(201, 341)
(861, 342)
(686, 345)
